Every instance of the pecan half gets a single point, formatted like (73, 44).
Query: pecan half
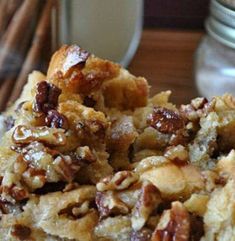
(149, 200)
(56, 120)
(107, 203)
(165, 120)
(51, 136)
(21, 232)
(174, 225)
(46, 98)
(119, 181)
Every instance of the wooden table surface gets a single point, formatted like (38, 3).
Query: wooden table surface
(165, 59)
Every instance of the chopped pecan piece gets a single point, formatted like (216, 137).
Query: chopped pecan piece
(181, 137)
(148, 200)
(46, 98)
(56, 120)
(101, 204)
(74, 57)
(85, 154)
(51, 136)
(76, 210)
(177, 154)
(6, 207)
(21, 232)
(195, 109)
(141, 235)
(92, 81)
(17, 193)
(34, 178)
(67, 167)
(107, 203)
(119, 181)
(174, 225)
(20, 165)
(90, 128)
(199, 103)
(165, 120)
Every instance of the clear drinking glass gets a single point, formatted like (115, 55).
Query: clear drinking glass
(110, 29)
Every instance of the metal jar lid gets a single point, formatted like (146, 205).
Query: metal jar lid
(221, 23)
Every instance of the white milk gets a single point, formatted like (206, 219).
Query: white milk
(110, 29)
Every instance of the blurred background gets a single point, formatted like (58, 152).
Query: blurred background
(181, 14)
(156, 39)
(172, 32)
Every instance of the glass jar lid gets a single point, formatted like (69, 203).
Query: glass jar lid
(221, 23)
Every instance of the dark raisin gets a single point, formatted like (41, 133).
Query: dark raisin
(46, 97)
(165, 120)
(56, 120)
(21, 232)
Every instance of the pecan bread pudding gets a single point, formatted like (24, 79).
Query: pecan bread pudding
(88, 156)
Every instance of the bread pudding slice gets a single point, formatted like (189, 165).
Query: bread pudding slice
(87, 155)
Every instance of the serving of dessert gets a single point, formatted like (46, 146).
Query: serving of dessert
(87, 155)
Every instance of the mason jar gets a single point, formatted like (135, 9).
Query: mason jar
(215, 56)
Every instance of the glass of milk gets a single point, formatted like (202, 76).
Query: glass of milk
(110, 29)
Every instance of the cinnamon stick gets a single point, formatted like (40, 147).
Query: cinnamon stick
(3, 6)
(9, 80)
(34, 54)
(5, 92)
(7, 10)
(15, 33)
